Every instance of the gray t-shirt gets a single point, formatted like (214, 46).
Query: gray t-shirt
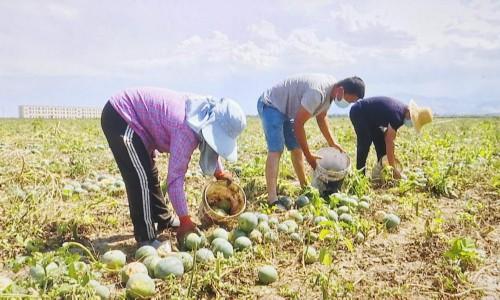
(312, 91)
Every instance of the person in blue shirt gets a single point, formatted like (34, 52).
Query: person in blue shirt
(377, 119)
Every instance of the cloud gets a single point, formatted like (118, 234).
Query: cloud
(446, 50)
(361, 30)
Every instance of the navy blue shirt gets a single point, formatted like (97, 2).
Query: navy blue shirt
(380, 111)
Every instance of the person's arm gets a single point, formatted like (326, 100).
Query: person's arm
(390, 136)
(300, 119)
(182, 147)
(322, 120)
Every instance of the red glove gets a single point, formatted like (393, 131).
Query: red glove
(224, 175)
(186, 227)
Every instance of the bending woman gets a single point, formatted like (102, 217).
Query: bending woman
(138, 121)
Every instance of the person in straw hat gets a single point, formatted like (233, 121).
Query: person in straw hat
(138, 122)
(377, 119)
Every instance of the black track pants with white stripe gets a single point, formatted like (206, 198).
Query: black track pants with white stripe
(146, 203)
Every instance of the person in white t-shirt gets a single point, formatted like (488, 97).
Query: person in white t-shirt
(285, 108)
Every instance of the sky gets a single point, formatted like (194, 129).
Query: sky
(443, 54)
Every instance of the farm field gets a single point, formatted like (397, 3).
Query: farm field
(445, 247)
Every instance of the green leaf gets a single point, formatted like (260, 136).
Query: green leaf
(325, 258)
(349, 245)
(323, 233)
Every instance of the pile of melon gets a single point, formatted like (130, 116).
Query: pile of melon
(252, 228)
(106, 182)
(304, 225)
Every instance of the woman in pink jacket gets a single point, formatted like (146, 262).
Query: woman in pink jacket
(139, 121)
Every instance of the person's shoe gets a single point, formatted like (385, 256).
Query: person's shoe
(173, 222)
(278, 206)
(153, 243)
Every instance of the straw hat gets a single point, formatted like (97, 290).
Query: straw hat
(419, 115)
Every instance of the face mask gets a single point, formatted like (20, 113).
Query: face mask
(342, 103)
(408, 123)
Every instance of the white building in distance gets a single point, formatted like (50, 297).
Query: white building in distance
(58, 112)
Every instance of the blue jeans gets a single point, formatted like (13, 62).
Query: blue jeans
(278, 128)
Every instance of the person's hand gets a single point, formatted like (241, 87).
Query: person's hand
(224, 175)
(186, 227)
(312, 160)
(396, 174)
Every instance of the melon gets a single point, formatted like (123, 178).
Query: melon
(203, 239)
(164, 249)
(224, 204)
(247, 221)
(140, 286)
(292, 225)
(145, 251)
(78, 269)
(273, 222)
(332, 215)
(80, 191)
(219, 233)
(221, 212)
(100, 290)
(256, 236)
(37, 272)
(101, 177)
(296, 215)
(150, 263)
(132, 268)
(379, 216)
(86, 185)
(366, 199)
(310, 255)
(347, 218)
(344, 209)
(282, 227)
(236, 233)
(204, 255)
(359, 238)
(363, 205)
(386, 198)
(263, 227)
(217, 241)
(5, 283)
(301, 201)
(51, 269)
(114, 259)
(319, 219)
(187, 260)
(224, 247)
(262, 217)
(94, 188)
(296, 237)
(349, 201)
(119, 184)
(170, 265)
(267, 274)
(242, 243)
(391, 221)
(75, 184)
(192, 241)
(270, 236)
(308, 217)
